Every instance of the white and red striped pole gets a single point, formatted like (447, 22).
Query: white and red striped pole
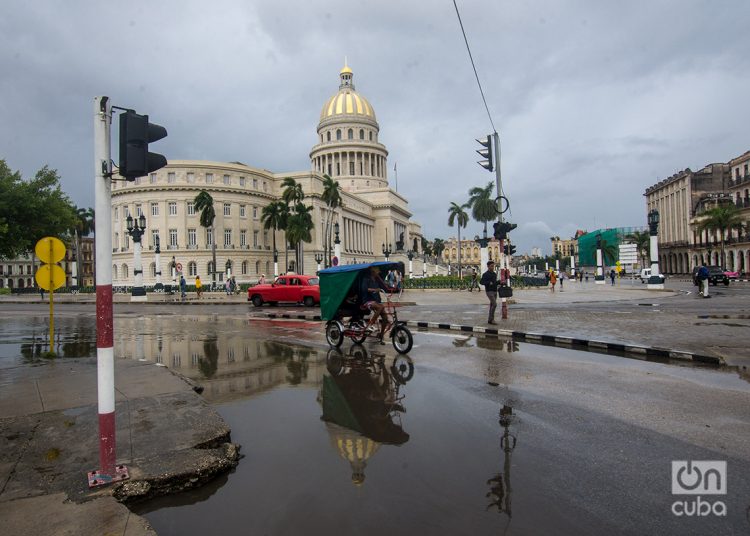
(105, 363)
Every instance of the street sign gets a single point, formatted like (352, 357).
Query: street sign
(628, 253)
(44, 279)
(178, 267)
(50, 250)
(335, 261)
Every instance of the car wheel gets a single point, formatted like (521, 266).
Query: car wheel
(257, 301)
(726, 282)
(308, 301)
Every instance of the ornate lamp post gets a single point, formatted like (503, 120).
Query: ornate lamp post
(319, 258)
(656, 281)
(158, 287)
(173, 268)
(387, 251)
(336, 245)
(599, 277)
(410, 254)
(424, 265)
(136, 230)
(275, 263)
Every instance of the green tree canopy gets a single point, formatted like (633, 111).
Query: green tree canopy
(31, 210)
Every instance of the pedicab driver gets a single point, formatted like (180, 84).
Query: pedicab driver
(370, 294)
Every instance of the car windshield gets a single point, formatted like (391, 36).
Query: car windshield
(312, 281)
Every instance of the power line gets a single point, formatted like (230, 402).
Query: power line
(474, 67)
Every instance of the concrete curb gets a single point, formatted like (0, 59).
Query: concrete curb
(543, 338)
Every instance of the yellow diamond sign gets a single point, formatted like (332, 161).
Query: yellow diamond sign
(50, 250)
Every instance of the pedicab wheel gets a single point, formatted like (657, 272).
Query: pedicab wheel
(402, 369)
(334, 361)
(360, 335)
(402, 339)
(334, 333)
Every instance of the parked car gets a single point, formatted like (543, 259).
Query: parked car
(286, 288)
(716, 275)
(732, 275)
(646, 274)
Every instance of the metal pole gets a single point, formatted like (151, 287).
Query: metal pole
(499, 186)
(105, 368)
(51, 301)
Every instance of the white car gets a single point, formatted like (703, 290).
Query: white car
(646, 273)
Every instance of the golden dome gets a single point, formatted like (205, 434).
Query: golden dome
(347, 101)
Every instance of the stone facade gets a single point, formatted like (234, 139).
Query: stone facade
(347, 148)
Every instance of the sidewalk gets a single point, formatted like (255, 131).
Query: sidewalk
(167, 436)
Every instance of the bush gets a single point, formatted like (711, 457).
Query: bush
(4, 291)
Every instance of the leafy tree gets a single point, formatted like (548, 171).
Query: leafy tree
(438, 246)
(332, 198)
(482, 205)
(204, 203)
(291, 195)
(31, 210)
(642, 240)
(274, 216)
(457, 214)
(721, 219)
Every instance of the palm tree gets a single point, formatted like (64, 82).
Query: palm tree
(299, 229)
(722, 219)
(482, 205)
(438, 246)
(609, 252)
(291, 195)
(457, 214)
(332, 198)
(274, 216)
(205, 204)
(642, 240)
(83, 226)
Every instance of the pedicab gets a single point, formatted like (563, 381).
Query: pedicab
(345, 313)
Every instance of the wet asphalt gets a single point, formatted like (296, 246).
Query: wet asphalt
(469, 434)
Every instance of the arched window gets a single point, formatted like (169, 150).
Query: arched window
(210, 268)
(124, 271)
(114, 271)
(328, 135)
(21, 283)
(244, 267)
(350, 134)
(361, 134)
(338, 134)
(192, 268)
(257, 267)
(268, 267)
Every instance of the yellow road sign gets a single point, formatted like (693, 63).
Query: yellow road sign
(50, 250)
(43, 276)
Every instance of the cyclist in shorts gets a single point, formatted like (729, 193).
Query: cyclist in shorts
(370, 289)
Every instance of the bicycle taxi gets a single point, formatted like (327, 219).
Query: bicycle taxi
(341, 306)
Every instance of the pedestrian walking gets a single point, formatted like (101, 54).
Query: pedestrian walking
(703, 280)
(41, 292)
(262, 280)
(612, 275)
(587, 277)
(474, 280)
(552, 280)
(390, 279)
(397, 274)
(562, 278)
(183, 287)
(228, 286)
(489, 282)
(198, 287)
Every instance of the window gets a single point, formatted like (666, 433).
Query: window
(126, 211)
(154, 209)
(361, 134)
(350, 134)
(227, 180)
(328, 136)
(227, 237)
(172, 208)
(152, 178)
(351, 168)
(243, 238)
(124, 271)
(255, 213)
(192, 268)
(191, 208)
(265, 237)
(745, 169)
(152, 269)
(209, 178)
(338, 168)
(115, 243)
(242, 211)
(138, 211)
(154, 236)
(192, 241)
(255, 183)
(173, 238)
(209, 237)
(255, 239)
(244, 267)
(171, 178)
(210, 267)
(191, 177)
(338, 134)
(126, 239)
(242, 181)
(138, 180)
(117, 212)
(227, 209)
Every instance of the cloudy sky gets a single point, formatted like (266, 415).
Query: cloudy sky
(594, 100)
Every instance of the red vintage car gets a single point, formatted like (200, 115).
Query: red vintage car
(287, 288)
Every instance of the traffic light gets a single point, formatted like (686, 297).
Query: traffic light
(502, 228)
(135, 135)
(486, 153)
(505, 249)
(511, 250)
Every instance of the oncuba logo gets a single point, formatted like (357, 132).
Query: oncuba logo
(699, 478)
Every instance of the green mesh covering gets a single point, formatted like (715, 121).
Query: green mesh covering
(333, 289)
(336, 408)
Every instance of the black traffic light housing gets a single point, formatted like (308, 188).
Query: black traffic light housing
(502, 228)
(486, 153)
(135, 135)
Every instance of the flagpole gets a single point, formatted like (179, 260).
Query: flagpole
(395, 170)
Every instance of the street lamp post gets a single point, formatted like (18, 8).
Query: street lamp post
(319, 258)
(173, 268)
(275, 264)
(410, 254)
(336, 244)
(599, 277)
(387, 251)
(484, 254)
(158, 287)
(656, 280)
(135, 230)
